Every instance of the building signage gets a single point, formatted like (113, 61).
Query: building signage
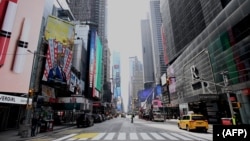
(14, 99)
(199, 97)
(71, 100)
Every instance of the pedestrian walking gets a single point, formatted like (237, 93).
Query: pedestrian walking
(33, 126)
(132, 118)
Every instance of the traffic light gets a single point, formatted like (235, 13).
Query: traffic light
(236, 105)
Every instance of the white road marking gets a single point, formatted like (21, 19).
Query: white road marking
(145, 136)
(157, 136)
(133, 136)
(121, 136)
(65, 137)
(110, 136)
(169, 136)
(99, 136)
(180, 136)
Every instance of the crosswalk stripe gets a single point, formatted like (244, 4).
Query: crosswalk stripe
(65, 137)
(193, 137)
(169, 136)
(109, 136)
(99, 136)
(156, 136)
(71, 139)
(133, 136)
(145, 136)
(121, 136)
(180, 136)
(82, 139)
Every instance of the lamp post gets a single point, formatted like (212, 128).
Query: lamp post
(225, 79)
(25, 128)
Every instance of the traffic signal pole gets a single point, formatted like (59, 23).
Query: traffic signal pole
(225, 79)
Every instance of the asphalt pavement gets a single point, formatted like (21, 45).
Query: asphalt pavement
(12, 135)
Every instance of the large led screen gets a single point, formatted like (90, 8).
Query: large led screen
(98, 73)
(146, 94)
(60, 35)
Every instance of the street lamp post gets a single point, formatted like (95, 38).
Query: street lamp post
(225, 79)
(26, 127)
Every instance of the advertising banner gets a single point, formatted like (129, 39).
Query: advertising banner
(60, 30)
(144, 94)
(60, 35)
(75, 85)
(19, 27)
(14, 99)
(48, 94)
(171, 79)
(58, 63)
(98, 73)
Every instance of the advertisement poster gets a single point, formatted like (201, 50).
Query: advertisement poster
(13, 14)
(59, 35)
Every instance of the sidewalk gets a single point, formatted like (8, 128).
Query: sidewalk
(12, 135)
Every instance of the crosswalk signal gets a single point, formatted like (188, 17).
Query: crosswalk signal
(236, 105)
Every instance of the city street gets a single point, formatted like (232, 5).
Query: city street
(122, 129)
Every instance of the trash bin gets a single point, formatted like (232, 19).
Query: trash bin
(226, 121)
(25, 130)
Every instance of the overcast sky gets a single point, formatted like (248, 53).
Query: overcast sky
(124, 34)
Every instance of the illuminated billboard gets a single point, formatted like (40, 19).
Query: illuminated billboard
(98, 72)
(60, 35)
(146, 94)
(92, 58)
(58, 63)
(94, 85)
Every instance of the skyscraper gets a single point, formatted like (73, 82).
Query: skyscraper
(158, 56)
(94, 14)
(147, 53)
(219, 43)
(135, 81)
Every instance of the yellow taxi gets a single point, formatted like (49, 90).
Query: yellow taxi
(193, 122)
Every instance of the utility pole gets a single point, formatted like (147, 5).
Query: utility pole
(224, 75)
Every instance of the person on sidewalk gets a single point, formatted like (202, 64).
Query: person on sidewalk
(33, 126)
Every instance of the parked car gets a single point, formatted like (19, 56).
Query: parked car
(85, 120)
(97, 118)
(193, 122)
(123, 115)
(103, 117)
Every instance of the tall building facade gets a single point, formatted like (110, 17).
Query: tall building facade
(116, 77)
(219, 43)
(158, 55)
(147, 53)
(136, 81)
(94, 13)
